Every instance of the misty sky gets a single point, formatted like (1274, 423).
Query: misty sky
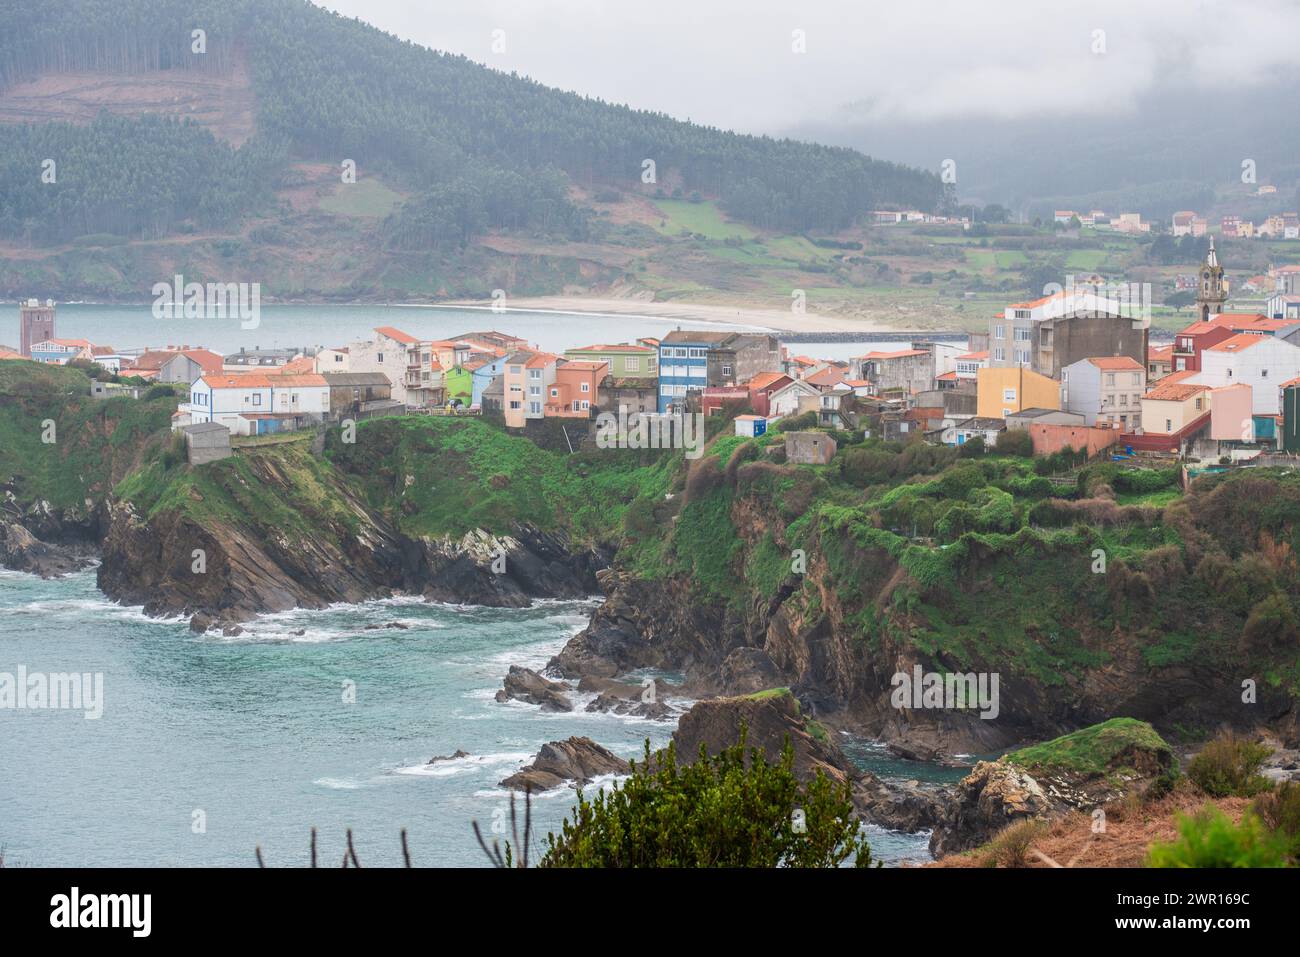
(729, 63)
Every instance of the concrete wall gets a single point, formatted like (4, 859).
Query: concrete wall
(809, 448)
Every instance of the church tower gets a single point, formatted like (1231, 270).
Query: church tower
(1213, 294)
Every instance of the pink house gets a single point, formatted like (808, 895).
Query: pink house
(1230, 413)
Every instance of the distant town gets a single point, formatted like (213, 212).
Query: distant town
(1074, 369)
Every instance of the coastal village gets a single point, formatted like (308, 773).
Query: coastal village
(1074, 370)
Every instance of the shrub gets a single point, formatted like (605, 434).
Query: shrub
(973, 448)
(159, 391)
(732, 810)
(796, 423)
(1010, 848)
(1015, 442)
(1229, 766)
(866, 467)
(1210, 839)
(1279, 810)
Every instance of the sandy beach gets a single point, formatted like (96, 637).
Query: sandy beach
(740, 315)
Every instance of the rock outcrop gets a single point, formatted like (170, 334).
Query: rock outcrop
(22, 551)
(617, 697)
(994, 796)
(578, 760)
(524, 684)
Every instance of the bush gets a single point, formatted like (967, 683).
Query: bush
(1229, 766)
(866, 467)
(1010, 848)
(159, 391)
(796, 423)
(1279, 810)
(732, 810)
(972, 448)
(1015, 442)
(1210, 839)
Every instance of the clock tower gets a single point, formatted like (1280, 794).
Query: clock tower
(1212, 292)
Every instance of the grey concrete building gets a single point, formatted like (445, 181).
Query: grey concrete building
(206, 442)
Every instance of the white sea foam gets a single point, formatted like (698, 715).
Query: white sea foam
(466, 765)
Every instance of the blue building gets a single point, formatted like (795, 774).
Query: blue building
(483, 377)
(684, 366)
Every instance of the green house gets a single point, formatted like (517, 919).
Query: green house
(626, 360)
(459, 383)
(1289, 441)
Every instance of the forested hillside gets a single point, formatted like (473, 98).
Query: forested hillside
(474, 148)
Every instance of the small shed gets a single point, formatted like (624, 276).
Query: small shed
(206, 442)
(751, 426)
(809, 448)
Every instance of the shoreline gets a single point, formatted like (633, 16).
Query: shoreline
(754, 318)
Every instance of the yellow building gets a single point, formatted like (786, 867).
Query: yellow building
(1174, 406)
(1001, 392)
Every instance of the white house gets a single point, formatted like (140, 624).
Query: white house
(334, 360)
(1261, 362)
(1108, 389)
(788, 399)
(254, 403)
(388, 353)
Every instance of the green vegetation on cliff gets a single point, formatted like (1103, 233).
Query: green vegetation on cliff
(58, 445)
(1093, 750)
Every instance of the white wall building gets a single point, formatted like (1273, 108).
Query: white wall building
(1105, 389)
(254, 403)
(1261, 362)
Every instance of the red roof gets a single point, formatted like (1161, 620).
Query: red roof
(1115, 363)
(261, 380)
(1175, 391)
(617, 347)
(397, 334)
(1238, 343)
(976, 356)
(900, 354)
(765, 380)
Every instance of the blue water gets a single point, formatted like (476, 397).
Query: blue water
(253, 732)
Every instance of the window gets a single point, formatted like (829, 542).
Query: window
(1022, 314)
(1263, 373)
(1022, 335)
(1198, 404)
(679, 353)
(379, 357)
(630, 364)
(1008, 395)
(534, 390)
(697, 353)
(1005, 413)
(555, 393)
(1137, 378)
(1169, 425)
(514, 404)
(534, 373)
(586, 387)
(1229, 373)
(515, 370)
(1110, 378)
(535, 408)
(999, 354)
(257, 398)
(585, 405)
(666, 390)
(726, 370)
(998, 332)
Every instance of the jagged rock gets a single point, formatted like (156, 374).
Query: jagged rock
(907, 806)
(577, 759)
(611, 701)
(769, 718)
(747, 670)
(994, 796)
(22, 551)
(524, 684)
(200, 623)
(449, 757)
(232, 631)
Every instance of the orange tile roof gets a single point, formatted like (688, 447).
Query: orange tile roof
(397, 334)
(584, 365)
(1160, 352)
(618, 347)
(902, 353)
(1241, 341)
(294, 367)
(540, 359)
(1115, 363)
(7, 354)
(765, 379)
(1175, 391)
(982, 354)
(943, 377)
(261, 380)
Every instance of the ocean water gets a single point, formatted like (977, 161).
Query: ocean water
(252, 737)
(296, 326)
